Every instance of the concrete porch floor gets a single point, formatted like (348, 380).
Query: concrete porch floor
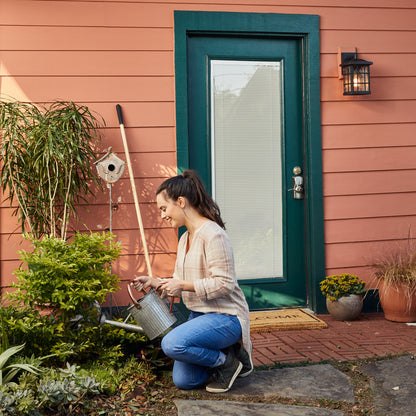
(368, 336)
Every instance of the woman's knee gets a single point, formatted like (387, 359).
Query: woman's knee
(182, 382)
(172, 345)
(187, 377)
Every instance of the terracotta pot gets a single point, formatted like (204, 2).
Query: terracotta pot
(399, 305)
(346, 308)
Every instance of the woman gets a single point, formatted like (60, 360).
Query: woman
(215, 341)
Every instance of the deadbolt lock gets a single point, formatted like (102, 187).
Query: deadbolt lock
(297, 184)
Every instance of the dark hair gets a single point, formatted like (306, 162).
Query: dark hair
(190, 186)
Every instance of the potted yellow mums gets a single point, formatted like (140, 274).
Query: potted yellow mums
(343, 293)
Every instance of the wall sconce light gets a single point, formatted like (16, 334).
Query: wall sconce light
(356, 74)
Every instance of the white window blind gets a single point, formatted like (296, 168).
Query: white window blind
(246, 107)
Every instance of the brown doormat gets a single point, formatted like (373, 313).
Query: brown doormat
(283, 320)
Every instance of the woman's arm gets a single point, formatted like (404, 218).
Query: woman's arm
(143, 282)
(219, 279)
(174, 287)
(210, 265)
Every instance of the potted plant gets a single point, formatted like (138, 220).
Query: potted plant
(396, 282)
(343, 295)
(47, 154)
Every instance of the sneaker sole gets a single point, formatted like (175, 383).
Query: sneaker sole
(248, 372)
(220, 390)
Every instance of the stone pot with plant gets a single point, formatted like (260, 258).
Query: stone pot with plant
(396, 282)
(47, 154)
(343, 293)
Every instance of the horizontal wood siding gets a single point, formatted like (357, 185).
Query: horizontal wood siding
(107, 52)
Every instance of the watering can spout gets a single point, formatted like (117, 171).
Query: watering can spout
(129, 327)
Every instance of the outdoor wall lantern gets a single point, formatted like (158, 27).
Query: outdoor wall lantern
(356, 74)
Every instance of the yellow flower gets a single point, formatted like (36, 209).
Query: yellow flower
(337, 286)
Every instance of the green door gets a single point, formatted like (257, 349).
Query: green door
(246, 127)
(246, 137)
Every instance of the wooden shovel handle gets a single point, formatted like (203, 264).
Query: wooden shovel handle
(133, 189)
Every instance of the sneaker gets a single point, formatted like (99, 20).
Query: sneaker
(245, 358)
(224, 375)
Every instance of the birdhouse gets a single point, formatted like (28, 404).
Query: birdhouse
(110, 167)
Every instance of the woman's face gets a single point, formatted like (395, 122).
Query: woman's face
(171, 211)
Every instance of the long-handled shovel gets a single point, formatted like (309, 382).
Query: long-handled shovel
(153, 314)
(133, 189)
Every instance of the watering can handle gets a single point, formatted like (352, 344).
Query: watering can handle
(145, 293)
(132, 297)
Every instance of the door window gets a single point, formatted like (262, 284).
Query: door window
(246, 107)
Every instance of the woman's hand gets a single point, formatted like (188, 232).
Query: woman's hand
(173, 287)
(143, 282)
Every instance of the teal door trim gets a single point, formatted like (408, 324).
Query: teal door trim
(306, 28)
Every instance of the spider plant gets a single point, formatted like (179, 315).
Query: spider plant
(47, 154)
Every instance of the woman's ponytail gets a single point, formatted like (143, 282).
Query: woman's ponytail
(190, 186)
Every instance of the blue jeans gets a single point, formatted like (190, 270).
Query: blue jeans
(196, 345)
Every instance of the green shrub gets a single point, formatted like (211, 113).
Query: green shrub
(67, 277)
(69, 280)
(43, 336)
(55, 311)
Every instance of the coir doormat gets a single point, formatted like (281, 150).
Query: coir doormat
(284, 320)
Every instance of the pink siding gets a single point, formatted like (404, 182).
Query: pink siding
(105, 52)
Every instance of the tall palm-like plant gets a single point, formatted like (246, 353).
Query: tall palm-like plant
(47, 154)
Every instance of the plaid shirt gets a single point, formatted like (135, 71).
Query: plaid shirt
(209, 262)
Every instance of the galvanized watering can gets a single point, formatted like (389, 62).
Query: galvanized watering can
(152, 313)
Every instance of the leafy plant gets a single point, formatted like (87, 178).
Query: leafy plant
(132, 372)
(46, 154)
(64, 390)
(88, 342)
(4, 337)
(7, 402)
(55, 307)
(67, 276)
(69, 387)
(337, 286)
(8, 372)
(54, 390)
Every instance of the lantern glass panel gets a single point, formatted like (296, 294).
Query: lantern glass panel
(356, 79)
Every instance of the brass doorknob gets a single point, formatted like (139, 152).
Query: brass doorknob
(297, 170)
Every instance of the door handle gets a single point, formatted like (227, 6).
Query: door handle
(297, 184)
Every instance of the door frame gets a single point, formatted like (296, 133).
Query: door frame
(305, 28)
